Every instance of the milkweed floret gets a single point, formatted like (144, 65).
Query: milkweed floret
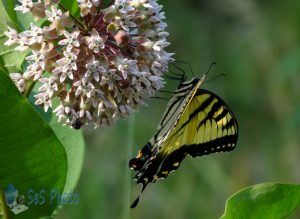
(100, 65)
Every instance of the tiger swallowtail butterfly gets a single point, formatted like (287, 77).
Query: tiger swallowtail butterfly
(196, 122)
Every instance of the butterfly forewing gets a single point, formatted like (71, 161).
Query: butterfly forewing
(174, 110)
(207, 126)
(171, 116)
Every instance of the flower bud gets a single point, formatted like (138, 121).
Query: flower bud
(122, 38)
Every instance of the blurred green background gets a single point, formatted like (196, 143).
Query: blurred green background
(257, 45)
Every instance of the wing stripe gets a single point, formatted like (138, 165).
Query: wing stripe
(179, 95)
(204, 105)
(184, 89)
(194, 150)
(166, 121)
(175, 108)
(213, 146)
(170, 106)
(221, 115)
(215, 108)
(229, 124)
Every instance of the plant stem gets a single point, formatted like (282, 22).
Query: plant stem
(3, 206)
(74, 18)
(29, 88)
(127, 172)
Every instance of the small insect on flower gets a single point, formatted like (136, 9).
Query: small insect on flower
(77, 124)
(101, 65)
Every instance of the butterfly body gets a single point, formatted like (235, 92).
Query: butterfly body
(196, 122)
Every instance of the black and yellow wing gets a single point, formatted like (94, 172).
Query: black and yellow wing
(196, 122)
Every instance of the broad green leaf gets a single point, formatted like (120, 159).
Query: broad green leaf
(10, 60)
(72, 141)
(268, 200)
(21, 21)
(7, 12)
(31, 155)
(9, 7)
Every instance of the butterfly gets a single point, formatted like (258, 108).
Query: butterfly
(196, 122)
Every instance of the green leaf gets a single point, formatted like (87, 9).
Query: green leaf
(20, 21)
(268, 200)
(31, 155)
(71, 6)
(10, 60)
(7, 9)
(72, 141)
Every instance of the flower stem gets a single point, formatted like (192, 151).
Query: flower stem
(127, 173)
(3, 206)
(82, 26)
(29, 88)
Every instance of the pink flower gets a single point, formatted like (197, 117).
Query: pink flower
(101, 65)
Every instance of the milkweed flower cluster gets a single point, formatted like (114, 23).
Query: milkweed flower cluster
(100, 65)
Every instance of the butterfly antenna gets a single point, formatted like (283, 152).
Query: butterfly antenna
(171, 77)
(188, 64)
(178, 68)
(210, 67)
(216, 77)
(166, 91)
(181, 70)
(160, 98)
